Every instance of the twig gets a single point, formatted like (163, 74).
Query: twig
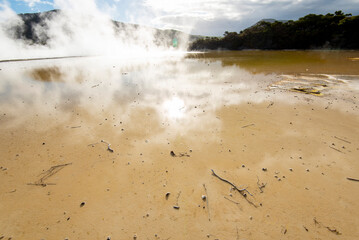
(336, 149)
(231, 200)
(179, 194)
(181, 154)
(248, 125)
(260, 186)
(342, 139)
(93, 144)
(108, 146)
(207, 203)
(353, 179)
(176, 206)
(51, 171)
(333, 230)
(241, 191)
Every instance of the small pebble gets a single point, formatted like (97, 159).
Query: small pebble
(176, 207)
(291, 169)
(135, 236)
(307, 170)
(167, 195)
(243, 166)
(108, 238)
(264, 169)
(204, 197)
(250, 218)
(82, 204)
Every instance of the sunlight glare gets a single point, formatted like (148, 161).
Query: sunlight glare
(174, 108)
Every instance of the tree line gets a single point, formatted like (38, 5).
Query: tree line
(330, 31)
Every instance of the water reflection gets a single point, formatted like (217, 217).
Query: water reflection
(174, 108)
(185, 90)
(288, 62)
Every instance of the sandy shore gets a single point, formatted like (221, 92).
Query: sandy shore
(292, 152)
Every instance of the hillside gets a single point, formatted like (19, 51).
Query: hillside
(330, 31)
(34, 30)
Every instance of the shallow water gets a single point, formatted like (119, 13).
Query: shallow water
(289, 62)
(169, 121)
(177, 87)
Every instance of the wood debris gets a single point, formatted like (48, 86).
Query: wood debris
(47, 174)
(242, 191)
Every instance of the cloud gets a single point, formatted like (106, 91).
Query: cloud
(32, 3)
(199, 16)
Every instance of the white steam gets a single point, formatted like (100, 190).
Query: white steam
(81, 29)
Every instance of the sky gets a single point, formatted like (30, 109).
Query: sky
(200, 17)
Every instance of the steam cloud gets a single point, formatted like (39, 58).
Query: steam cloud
(81, 29)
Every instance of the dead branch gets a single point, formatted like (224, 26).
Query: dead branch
(242, 191)
(207, 203)
(248, 125)
(353, 179)
(260, 186)
(50, 172)
(336, 149)
(333, 230)
(108, 146)
(181, 154)
(231, 200)
(176, 206)
(342, 139)
(93, 144)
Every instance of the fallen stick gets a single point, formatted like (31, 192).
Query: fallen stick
(241, 191)
(260, 186)
(231, 200)
(207, 203)
(353, 179)
(50, 172)
(176, 206)
(342, 139)
(248, 125)
(336, 149)
(108, 146)
(333, 230)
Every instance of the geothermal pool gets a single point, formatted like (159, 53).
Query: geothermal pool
(119, 147)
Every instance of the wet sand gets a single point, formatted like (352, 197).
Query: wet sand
(292, 151)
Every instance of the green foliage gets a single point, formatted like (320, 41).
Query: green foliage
(338, 30)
